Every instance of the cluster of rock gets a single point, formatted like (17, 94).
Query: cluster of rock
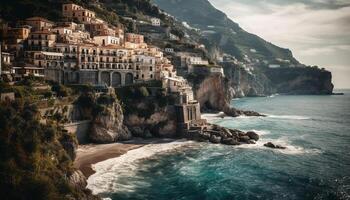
(217, 134)
(235, 113)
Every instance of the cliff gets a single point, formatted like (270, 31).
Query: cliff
(107, 125)
(222, 36)
(213, 92)
(36, 158)
(106, 114)
(301, 81)
(148, 112)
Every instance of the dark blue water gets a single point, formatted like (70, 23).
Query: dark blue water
(315, 165)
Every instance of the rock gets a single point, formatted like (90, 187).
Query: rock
(107, 126)
(137, 131)
(215, 139)
(280, 147)
(229, 141)
(273, 146)
(235, 113)
(227, 132)
(252, 135)
(251, 142)
(147, 134)
(205, 135)
(244, 139)
(78, 180)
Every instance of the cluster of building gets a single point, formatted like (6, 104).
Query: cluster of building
(84, 49)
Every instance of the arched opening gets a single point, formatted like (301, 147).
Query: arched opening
(116, 79)
(105, 78)
(129, 79)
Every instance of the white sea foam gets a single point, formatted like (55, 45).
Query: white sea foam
(295, 117)
(213, 115)
(108, 171)
(283, 141)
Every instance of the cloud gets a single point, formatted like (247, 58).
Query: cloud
(312, 29)
(324, 51)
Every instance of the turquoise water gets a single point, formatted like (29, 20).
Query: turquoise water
(315, 165)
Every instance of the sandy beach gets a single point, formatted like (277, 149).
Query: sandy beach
(88, 155)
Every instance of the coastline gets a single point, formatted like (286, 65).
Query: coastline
(91, 154)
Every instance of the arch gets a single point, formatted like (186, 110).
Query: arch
(129, 78)
(116, 79)
(105, 78)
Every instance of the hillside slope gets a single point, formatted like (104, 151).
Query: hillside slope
(252, 76)
(222, 31)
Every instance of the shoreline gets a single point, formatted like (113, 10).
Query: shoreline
(90, 154)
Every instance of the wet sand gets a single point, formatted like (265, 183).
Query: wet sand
(88, 155)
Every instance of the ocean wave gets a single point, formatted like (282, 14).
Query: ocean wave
(259, 132)
(109, 171)
(295, 117)
(283, 141)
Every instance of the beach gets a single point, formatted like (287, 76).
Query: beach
(91, 154)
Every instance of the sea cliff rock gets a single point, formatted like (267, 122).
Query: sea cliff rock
(108, 125)
(212, 91)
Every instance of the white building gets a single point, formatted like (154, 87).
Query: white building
(145, 67)
(62, 31)
(106, 40)
(173, 37)
(196, 61)
(155, 21)
(169, 50)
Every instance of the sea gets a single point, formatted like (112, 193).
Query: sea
(315, 165)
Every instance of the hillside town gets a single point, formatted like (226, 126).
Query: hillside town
(83, 49)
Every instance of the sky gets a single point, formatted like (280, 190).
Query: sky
(317, 31)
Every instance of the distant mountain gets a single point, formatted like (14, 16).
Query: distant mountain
(222, 32)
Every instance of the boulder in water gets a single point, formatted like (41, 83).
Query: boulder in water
(244, 139)
(252, 135)
(229, 141)
(273, 146)
(215, 139)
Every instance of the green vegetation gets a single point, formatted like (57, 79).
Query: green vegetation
(139, 99)
(34, 163)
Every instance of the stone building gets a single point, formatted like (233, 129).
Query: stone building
(41, 40)
(72, 11)
(39, 23)
(134, 38)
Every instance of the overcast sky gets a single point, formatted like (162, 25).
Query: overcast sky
(317, 31)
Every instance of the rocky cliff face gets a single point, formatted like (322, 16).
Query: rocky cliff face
(245, 83)
(284, 80)
(213, 92)
(108, 127)
(301, 80)
(161, 122)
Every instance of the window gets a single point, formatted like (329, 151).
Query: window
(150, 68)
(65, 7)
